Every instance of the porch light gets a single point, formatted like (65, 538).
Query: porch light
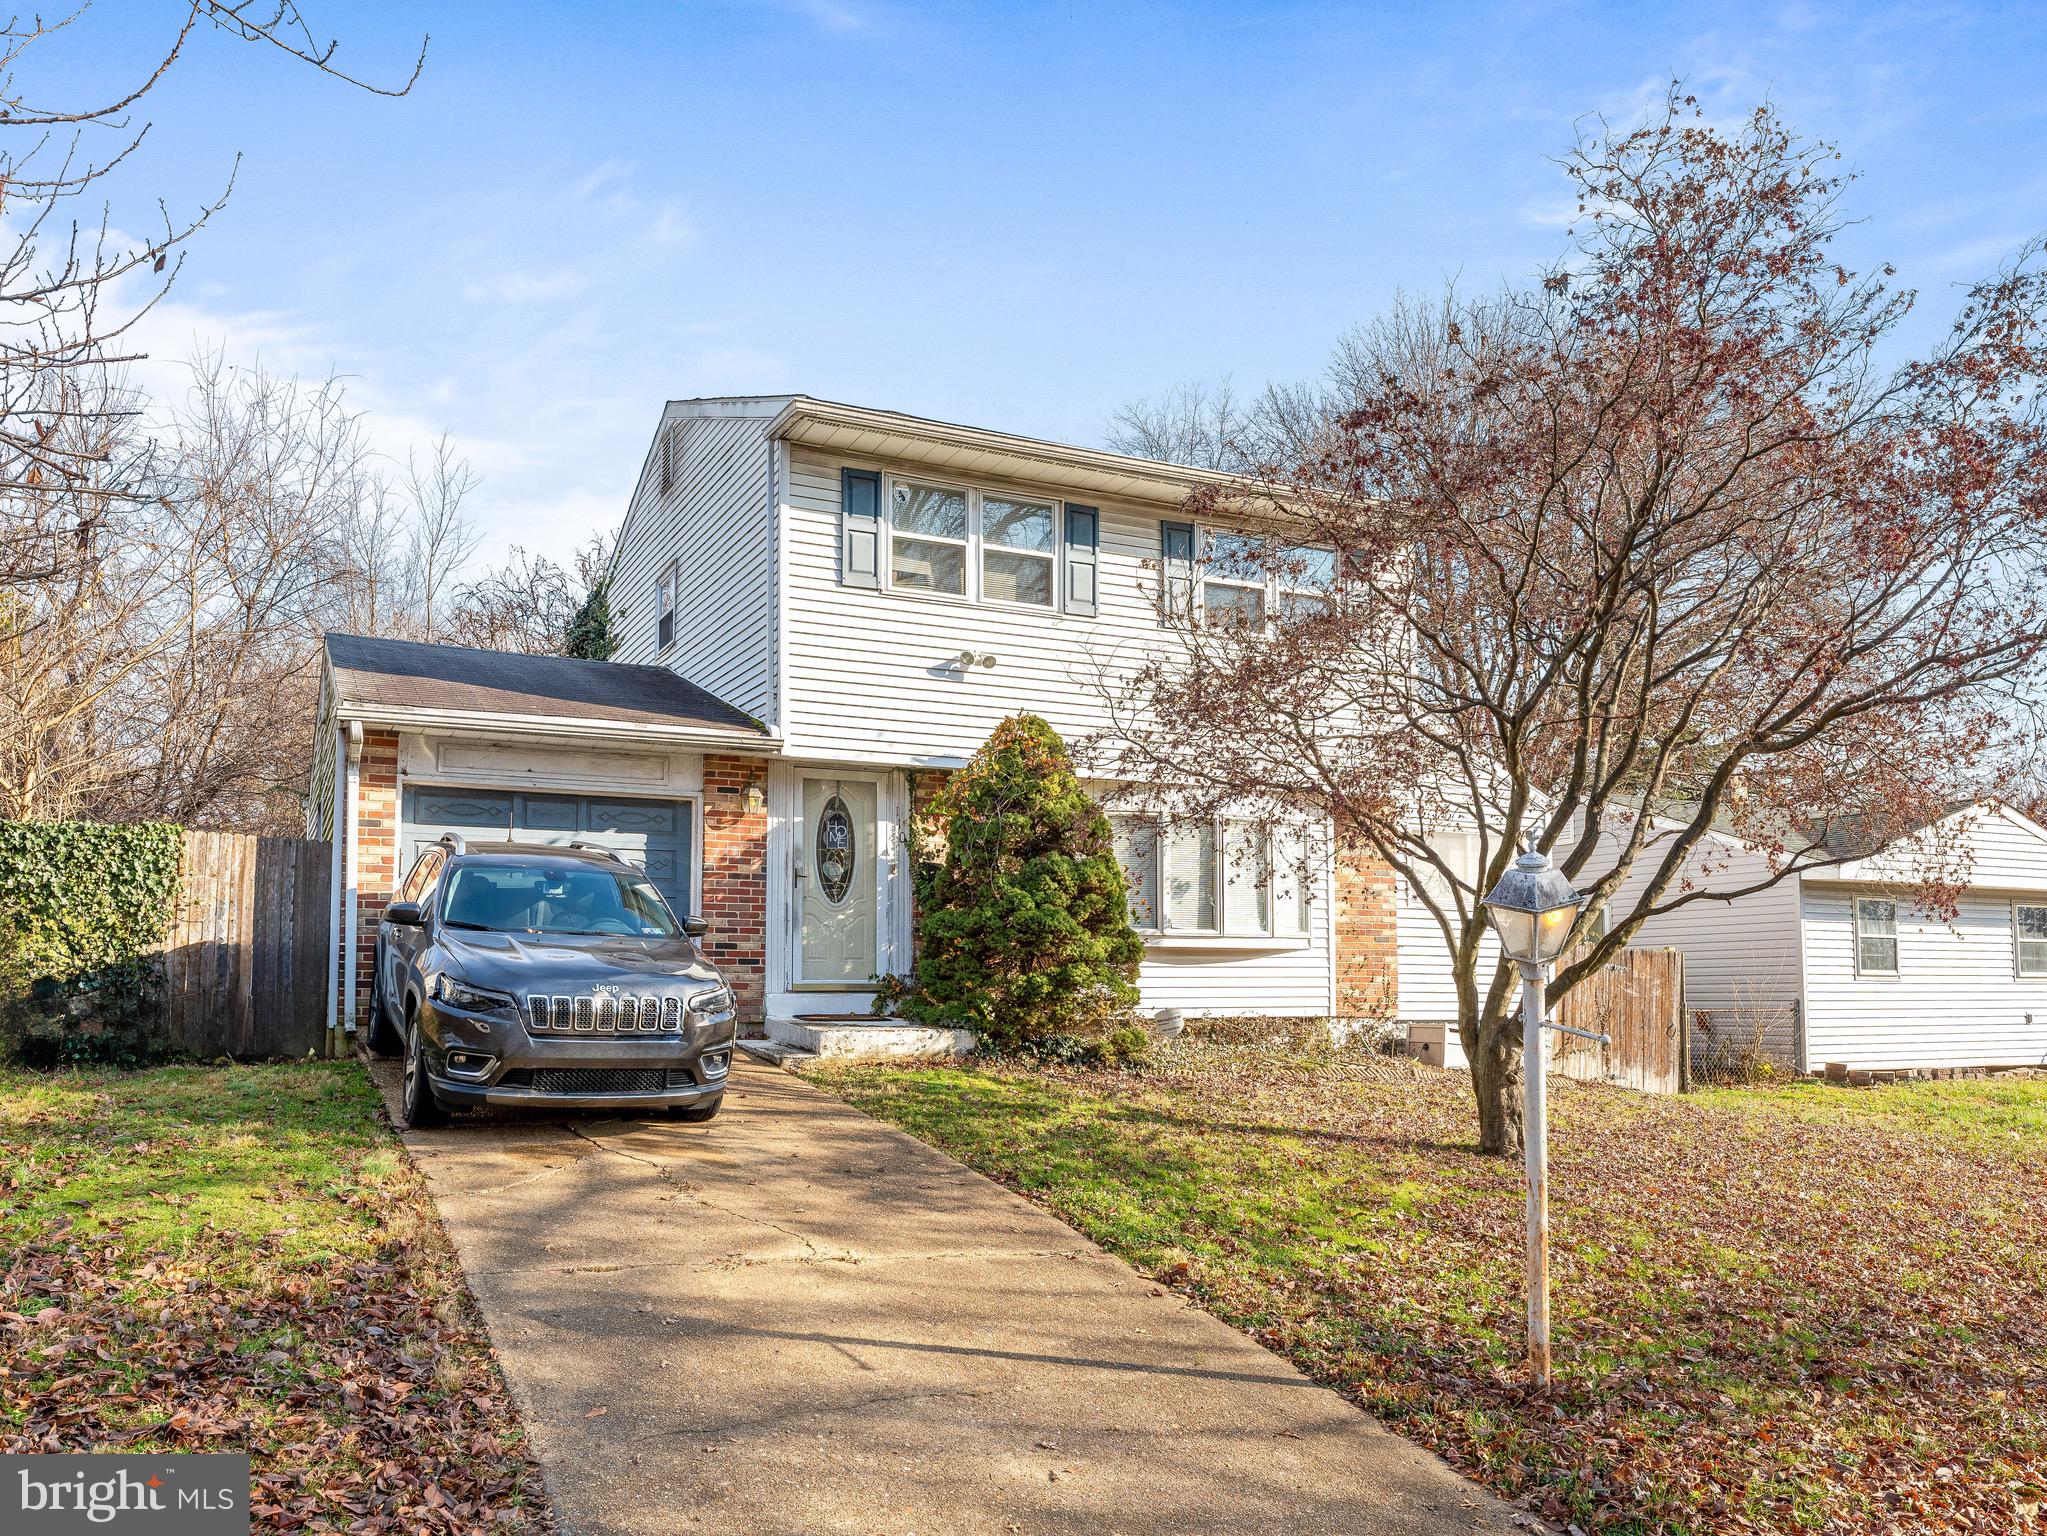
(1533, 908)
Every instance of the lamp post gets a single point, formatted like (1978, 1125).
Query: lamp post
(1533, 909)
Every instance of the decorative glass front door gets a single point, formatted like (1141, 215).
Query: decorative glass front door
(838, 882)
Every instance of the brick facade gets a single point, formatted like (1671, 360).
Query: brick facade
(1367, 950)
(735, 876)
(375, 827)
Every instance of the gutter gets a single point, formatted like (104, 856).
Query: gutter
(556, 727)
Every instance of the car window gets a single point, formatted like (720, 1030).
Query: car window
(421, 880)
(556, 898)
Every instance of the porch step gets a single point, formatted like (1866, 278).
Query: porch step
(776, 1054)
(881, 1037)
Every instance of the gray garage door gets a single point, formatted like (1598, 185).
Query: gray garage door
(655, 835)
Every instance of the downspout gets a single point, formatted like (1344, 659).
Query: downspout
(354, 782)
(335, 856)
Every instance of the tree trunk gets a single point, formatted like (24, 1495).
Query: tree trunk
(1494, 1050)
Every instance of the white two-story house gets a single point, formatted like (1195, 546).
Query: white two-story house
(820, 610)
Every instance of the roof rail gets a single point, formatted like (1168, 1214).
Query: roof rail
(454, 842)
(589, 847)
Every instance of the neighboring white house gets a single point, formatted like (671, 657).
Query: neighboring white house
(856, 598)
(1837, 964)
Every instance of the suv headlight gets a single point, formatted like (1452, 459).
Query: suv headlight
(713, 1001)
(457, 993)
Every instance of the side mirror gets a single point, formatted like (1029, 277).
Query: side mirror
(696, 927)
(406, 914)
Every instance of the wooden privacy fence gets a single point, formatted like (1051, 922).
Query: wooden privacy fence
(1638, 999)
(247, 956)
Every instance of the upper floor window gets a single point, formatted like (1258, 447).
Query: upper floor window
(928, 544)
(958, 542)
(1238, 581)
(1017, 545)
(1876, 936)
(664, 610)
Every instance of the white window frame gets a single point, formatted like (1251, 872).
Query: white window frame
(975, 546)
(1897, 957)
(2018, 942)
(1054, 558)
(1303, 892)
(969, 567)
(666, 603)
(1274, 589)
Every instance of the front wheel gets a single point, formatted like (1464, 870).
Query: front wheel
(697, 1113)
(384, 1039)
(417, 1106)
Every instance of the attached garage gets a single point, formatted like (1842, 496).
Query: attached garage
(415, 741)
(658, 836)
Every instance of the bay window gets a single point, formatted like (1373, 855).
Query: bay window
(1220, 878)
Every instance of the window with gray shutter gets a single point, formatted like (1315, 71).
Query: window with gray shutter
(1083, 546)
(859, 528)
(1176, 566)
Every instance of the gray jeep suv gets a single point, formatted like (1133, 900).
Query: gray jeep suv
(512, 973)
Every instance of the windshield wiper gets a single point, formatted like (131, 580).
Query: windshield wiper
(456, 922)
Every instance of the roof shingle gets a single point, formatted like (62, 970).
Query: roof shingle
(407, 674)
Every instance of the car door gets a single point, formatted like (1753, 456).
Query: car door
(398, 943)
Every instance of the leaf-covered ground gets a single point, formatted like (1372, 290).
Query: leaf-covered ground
(241, 1258)
(1807, 1309)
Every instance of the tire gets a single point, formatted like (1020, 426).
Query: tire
(417, 1106)
(697, 1113)
(384, 1039)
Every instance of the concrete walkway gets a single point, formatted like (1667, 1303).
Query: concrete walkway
(796, 1319)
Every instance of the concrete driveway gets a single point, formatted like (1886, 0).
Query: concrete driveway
(796, 1319)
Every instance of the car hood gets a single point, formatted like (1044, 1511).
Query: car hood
(566, 963)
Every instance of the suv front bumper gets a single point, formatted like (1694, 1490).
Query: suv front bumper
(582, 1071)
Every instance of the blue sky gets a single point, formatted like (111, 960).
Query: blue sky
(1018, 216)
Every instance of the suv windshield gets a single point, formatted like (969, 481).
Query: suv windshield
(555, 898)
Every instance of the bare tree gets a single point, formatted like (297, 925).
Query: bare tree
(60, 277)
(1652, 549)
(529, 603)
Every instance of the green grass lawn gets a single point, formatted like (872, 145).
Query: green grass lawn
(1803, 1309)
(230, 1258)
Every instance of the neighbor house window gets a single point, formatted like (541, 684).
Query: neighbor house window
(928, 544)
(1223, 878)
(664, 610)
(1876, 936)
(2030, 925)
(1017, 551)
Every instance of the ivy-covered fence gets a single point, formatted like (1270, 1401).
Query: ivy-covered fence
(84, 909)
(130, 944)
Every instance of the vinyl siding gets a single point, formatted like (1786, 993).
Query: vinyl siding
(1427, 981)
(867, 680)
(1955, 1002)
(717, 524)
(869, 674)
(1740, 955)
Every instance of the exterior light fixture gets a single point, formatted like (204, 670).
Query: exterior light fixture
(1533, 909)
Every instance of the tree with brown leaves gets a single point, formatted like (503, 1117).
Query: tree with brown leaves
(1657, 546)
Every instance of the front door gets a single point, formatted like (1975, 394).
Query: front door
(838, 883)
